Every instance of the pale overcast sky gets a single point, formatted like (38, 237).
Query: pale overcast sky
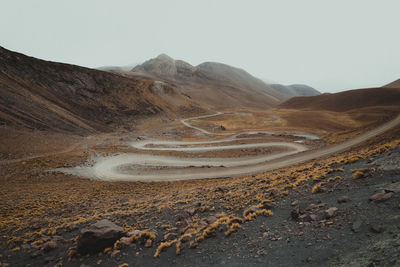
(331, 45)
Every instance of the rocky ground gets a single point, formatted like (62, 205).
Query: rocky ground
(349, 218)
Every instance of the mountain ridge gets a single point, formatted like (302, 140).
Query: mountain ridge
(203, 86)
(39, 94)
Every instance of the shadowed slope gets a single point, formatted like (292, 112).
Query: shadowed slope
(38, 94)
(395, 84)
(345, 101)
(295, 90)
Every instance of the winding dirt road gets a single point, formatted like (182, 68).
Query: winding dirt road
(125, 166)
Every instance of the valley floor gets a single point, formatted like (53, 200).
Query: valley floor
(284, 217)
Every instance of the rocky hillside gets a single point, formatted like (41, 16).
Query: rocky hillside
(347, 100)
(295, 90)
(241, 77)
(219, 89)
(38, 94)
(395, 84)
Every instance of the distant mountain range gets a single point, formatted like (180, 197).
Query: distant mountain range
(210, 82)
(395, 84)
(295, 90)
(44, 95)
(122, 68)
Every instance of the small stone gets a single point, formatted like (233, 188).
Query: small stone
(115, 253)
(50, 245)
(304, 217)
(295, 213)
(380, 197)
(343, 199)
(36, 224)
(135, 232)
(25, 246)
(355, 227)
(148, 244)
(36, 254)
(170, 236)
(211, 219)
(126, 241)
(49, 259)
(377, 228)
(190, 230)
(329, 213)
(315, 206)
(58, 238)
(294, 203)
(191, 211)
(313, 217)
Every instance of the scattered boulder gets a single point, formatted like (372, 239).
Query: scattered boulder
(148, 244)
(355, 227)
(308, 217)
(190, 230)
(50, 245)
(135, 232)
(380, 197)
(114, 253)
(295, 213)
(343, 199)
(377, 228)
(315, 206)
(313, 217)
(25, 246)
(211, 219)
(36, 253)
(36, 224)
(170, 236)
(98, 236)
(191, 211)
(125, 241)
(329, 213)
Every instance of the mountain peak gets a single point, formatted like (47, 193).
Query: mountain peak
(165, 66)
(164, 57)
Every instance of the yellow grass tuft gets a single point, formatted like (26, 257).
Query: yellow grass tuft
(317, 188)
(164, 245)
(232, 228)
(359, 174)
(118, 245)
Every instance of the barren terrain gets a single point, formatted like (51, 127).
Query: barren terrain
(312, 181)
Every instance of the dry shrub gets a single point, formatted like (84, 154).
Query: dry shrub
(164, 245)
(359, 174)
(317, 188)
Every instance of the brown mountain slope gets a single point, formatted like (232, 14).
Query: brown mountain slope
(242, 78)
(295, 90)
(345, 101)
(395, 84)
(206, 87)
(38, 94)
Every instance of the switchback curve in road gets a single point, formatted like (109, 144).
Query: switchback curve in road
(109, 168)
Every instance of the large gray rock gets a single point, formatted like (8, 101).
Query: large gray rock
(98, 236)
